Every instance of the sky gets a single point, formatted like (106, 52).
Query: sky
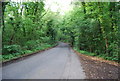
(62, 6)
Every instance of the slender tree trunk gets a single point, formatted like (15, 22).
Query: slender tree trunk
(3, 10)
(84, 11)
(112, 10)
(83, 4)
(103, 29)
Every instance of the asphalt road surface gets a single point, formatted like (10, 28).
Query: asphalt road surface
(57, 63)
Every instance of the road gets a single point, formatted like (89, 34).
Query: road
(57, 63)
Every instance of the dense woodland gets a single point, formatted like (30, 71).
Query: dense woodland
(91, 28)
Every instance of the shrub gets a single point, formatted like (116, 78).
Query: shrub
(10, 49)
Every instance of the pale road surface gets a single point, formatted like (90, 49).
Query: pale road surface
(57, 63)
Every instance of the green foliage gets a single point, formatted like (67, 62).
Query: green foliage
(11, 49)
(17, 54)
(91, 26)
(104, 56)
(25, 29)
(85, 52)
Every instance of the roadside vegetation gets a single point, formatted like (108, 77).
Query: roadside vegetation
(27, 28)
(92, 28)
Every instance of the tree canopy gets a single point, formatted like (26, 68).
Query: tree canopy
(89, 26)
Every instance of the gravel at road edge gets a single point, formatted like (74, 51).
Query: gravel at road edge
(95, 69)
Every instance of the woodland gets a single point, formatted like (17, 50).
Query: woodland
(90, 28)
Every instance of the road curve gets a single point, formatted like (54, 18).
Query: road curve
(57, 63)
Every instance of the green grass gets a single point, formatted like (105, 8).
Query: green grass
(85, 52)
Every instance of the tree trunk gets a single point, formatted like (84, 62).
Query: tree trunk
(3, 10)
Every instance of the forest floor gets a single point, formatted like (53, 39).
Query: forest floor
(97, 68)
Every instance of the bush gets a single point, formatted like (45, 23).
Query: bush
(31, 44)
(11, 49)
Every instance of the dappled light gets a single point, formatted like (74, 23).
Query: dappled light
(59, 6)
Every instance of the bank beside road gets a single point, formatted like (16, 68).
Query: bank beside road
(13, 57)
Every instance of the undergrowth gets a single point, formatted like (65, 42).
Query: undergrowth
(104, 56)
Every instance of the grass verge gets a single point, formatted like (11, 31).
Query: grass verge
(102, 56)
(9, 57)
